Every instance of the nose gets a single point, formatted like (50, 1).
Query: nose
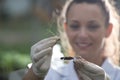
(83, 34)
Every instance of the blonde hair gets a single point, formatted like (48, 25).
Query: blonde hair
(112, 43)
(63, 37)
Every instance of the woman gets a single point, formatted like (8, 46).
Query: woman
(88, 31)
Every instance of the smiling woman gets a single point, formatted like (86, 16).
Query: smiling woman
(89, 31)
(85, 28)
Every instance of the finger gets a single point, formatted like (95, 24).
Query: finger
(45, 45)
(78, 67)
(93, 68)
(46, 40)
(82, 76)
(41, 54)
(88, 66)
(46, 64)
(35, 49)
(78, 64)
(97, 76)
(40, 62)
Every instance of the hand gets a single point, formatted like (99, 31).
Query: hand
(88, 71)
(41, 54)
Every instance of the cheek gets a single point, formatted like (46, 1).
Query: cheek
(71, 35)
(98, 39)
(99, 34)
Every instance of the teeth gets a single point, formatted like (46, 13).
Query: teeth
(83, 45)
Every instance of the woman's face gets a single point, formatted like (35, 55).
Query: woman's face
(86, 29)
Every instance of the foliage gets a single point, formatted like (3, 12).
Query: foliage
(13, 60)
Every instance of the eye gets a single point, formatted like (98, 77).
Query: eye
(93, 27)
(74, 26)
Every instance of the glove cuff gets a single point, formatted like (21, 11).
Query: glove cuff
(37, 72)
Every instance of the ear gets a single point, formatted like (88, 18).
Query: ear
(109, 30)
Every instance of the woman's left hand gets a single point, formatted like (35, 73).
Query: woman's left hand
(88, 71)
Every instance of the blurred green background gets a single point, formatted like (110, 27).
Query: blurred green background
(16, 39)
(22, 24)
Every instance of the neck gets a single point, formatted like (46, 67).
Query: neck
(97, 58)
(99, 61)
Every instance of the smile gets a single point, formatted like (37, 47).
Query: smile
(83, 45)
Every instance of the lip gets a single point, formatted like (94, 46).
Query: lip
(83, 45)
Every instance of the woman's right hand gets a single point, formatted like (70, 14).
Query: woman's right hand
(41, 54)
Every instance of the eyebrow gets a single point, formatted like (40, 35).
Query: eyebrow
(73, 20)
(92, 21)
(89, 22)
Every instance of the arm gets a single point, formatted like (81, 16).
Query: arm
(41, 54)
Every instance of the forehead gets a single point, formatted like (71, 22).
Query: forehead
(85, 11)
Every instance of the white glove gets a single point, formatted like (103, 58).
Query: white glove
(88, 71)
(41, 54)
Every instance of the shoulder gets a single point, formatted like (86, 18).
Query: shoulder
(112, 70)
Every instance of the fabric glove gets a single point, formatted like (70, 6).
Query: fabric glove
(88, 71)
(41, 54)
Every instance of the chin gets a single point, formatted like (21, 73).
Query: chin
(83, 53)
